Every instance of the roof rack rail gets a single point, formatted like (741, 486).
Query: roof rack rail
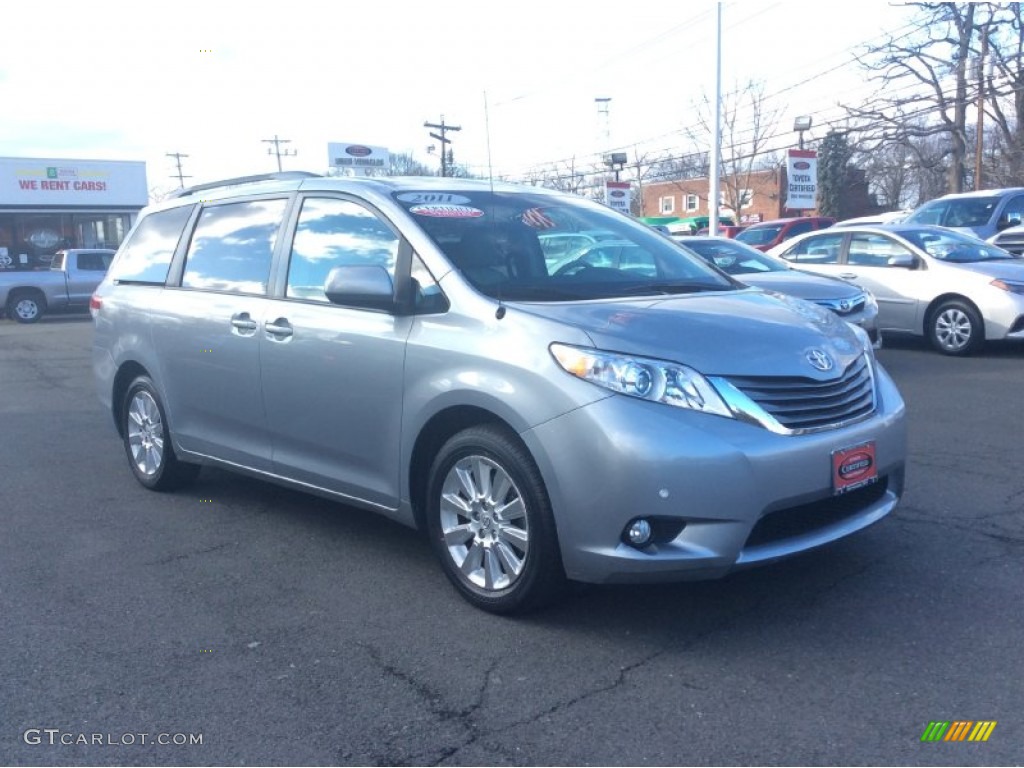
(280, 176)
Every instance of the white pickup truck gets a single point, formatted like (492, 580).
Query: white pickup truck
(67, 285)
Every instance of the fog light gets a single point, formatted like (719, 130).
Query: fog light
(639, 532)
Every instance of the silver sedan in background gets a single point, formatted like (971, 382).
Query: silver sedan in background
(748, 265)
(952, 288)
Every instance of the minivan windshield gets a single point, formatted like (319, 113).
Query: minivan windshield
(525, 246)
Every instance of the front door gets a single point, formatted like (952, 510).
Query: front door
(333, 375)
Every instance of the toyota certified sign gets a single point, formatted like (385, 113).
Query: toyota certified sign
(802, 180)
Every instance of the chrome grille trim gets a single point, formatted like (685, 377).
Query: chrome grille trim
(854, 305)
(792, 405)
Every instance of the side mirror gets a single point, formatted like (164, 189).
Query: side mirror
(368, 287)
(904, 260)
(1007, 223)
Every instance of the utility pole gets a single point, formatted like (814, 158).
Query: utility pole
(447, 156)
(181, 177)
(277, 149)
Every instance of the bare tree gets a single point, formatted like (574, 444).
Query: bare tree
(923, 85)
(1004, 95)
(747, 126)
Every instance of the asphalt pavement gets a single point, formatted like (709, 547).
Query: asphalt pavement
(241, 623)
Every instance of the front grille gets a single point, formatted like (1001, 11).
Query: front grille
(788, 523)
(1011, 241)
(797, 402)
(844, 306)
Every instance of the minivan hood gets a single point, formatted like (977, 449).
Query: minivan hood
(803, 285)
(735, 333)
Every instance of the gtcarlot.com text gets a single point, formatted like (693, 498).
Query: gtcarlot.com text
(55, 736)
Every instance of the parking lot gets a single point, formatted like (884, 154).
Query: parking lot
(285, 629)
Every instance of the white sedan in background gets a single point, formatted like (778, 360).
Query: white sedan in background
(952, 288)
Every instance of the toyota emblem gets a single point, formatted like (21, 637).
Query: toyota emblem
(820, 360)
(844, 305)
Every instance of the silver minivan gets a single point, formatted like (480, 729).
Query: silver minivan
(404, 346)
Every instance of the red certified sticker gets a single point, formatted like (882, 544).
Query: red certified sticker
(853, 467)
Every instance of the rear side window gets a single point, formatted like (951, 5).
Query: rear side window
(146, 257)
(232, 247)
(820, 249)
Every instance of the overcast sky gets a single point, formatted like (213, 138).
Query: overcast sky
(134, 81)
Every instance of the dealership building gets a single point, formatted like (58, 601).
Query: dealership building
(48, 204)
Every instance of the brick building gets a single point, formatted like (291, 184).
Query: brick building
(685, 198)
(762, 200)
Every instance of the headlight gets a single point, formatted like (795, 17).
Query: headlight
(656, 380)
(870, 302)
(1008, 285)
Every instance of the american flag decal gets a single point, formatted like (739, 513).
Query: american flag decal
(533, 217)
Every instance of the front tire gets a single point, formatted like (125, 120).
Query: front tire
(489, 520)
(955, 328)
(147, 440)
(26, 307)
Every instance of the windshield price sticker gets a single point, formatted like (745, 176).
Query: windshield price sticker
(447, 211)
(437, 198)
(853, 467)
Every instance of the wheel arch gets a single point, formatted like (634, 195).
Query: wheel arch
(126, 374)
(441, 427)
(941, 299)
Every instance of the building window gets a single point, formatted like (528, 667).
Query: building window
(692, 203)
(746, 199)
(668, 204)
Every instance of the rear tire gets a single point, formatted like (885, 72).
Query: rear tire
(147, 440)
(26, 307)
(490, 522)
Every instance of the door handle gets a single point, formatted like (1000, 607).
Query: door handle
(280, 329)
(244, 322)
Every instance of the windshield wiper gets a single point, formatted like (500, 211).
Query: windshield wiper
(666, 289)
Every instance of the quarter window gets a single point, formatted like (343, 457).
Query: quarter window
(232, 247)
(146, 257)
(332, 232)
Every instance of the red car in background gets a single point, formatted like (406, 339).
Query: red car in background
(768, 234)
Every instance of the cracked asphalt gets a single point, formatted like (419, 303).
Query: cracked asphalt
(288, 630)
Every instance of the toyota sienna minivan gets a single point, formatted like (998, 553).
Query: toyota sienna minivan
(403, 345)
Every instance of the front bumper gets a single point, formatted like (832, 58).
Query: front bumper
(621, 458)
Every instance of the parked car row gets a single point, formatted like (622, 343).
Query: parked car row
(950, 287)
